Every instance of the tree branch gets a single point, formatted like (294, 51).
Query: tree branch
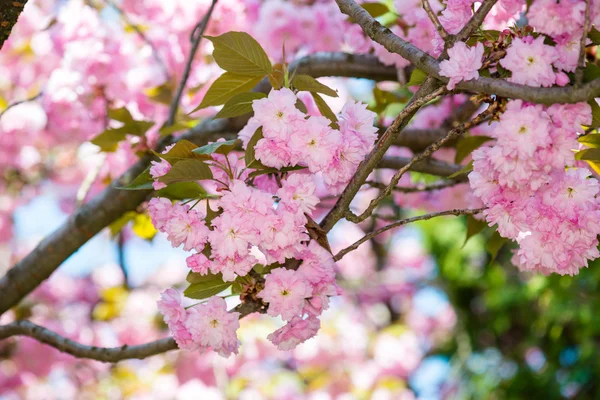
(475, 21)
(416, 188)
(499, 87)
(453, 134)
(112, 203)
(104, 354)
(405, 221)
(195, 38)
(432, 167)
(9, 14)
(434, 19)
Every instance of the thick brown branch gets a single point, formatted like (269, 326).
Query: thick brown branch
(499, 87)
(396, 224)
(104, 354)
(9, 14)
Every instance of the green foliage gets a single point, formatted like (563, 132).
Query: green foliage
(204, 286)
(249, 156)
(239, 53)
(310, 84)
(187, 170)
(239, 104)
(225, 87)
(466, 146)
(224, 147)
(325, 110)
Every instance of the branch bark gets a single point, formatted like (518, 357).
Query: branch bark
(9, 14)
(499, 87)
(405, 221)
(104, 354)
(109, 205)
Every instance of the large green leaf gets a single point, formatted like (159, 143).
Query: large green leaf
(375, 9)
(588, 154)
(466, 146)
(181, 191)
(474, 226)
(108, 140)
(182, 150)
(239, 53)
(205, 286)
(591, 72)
(142, 182)
(227, 86)
(416, 78)
(464, 170)
(590, 140)
(325, 110)
(309, 84)
(595, 114)
(187, 171)
(239, 104)
(249, 156)
(218, 147)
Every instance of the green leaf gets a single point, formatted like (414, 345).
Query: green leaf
(416, 78)
(595, 114)
(186, 171)
(182, 191)
(183, 150)
(474, 226)
(249, 156)
(594, 35)
(142, 182)
(120, 114)
(466, 146)
(465, 170)
(301, 106)
(218, 147)
(225, 87)
(325, 110)
(239, 104)
(108, 140)
(309, 84)
(590, 140)
(591, 72)
(239, 53)
(494, 245)
(171, 129)
(205, 286)
(375, 9)
(588, 154)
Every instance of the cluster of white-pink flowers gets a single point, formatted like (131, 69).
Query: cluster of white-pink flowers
(533, 192)
(291, 138)
(258, 219)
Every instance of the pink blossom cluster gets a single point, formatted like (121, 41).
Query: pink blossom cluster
(552, 212)
(203, 326)
(251, 218)
(290, 138)
(463, 63)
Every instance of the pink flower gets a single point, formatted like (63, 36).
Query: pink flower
(211, 326)
(175, 316)
(298, 194)
(160, 210)
(285, 291)
(463, 65)
(556, 18)
(157, 170)
(230, 236)
(186, 227)
(277, 113)
(314, 145)
(296, 331)
(199, 263)
(453, 19)
(530, 62)
(357, 121)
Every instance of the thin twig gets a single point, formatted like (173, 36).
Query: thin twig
(145, 39)
(434, 19)
(16, 103)
(415, 189)
(88, 181)
(405, 221)
(195, 37)
(453, 134)
(475, 21)
(586, 28)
